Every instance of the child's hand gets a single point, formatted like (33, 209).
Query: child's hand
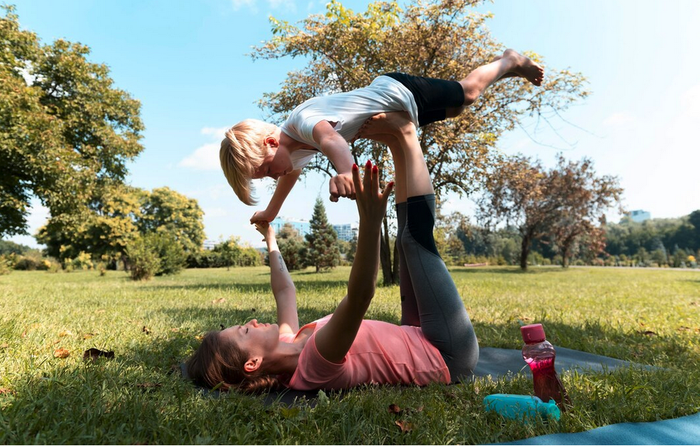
(341, 186)
(262, 217)
(371, 201)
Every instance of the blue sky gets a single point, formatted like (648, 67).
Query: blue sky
(187, 63)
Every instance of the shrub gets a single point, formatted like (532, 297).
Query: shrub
(143, 260)
(82, 261)
(155, 254)
(5, 265)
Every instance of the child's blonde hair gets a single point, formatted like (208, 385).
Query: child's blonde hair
(242, 151)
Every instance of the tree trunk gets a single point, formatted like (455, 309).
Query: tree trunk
(524, 252)
(565, 257)
(388, 274)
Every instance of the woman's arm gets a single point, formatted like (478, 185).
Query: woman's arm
(334, 339)
(281, 282)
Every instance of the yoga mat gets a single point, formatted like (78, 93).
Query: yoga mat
(684, 430)
(495, 362)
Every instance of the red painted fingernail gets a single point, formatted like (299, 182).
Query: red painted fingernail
(391, 184)
(354, 167)
(369, 164)
(375, 169)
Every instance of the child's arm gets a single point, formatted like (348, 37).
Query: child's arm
(284, 185)
(281, 282)
(337, 150)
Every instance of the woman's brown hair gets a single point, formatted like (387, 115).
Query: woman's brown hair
(217, 364)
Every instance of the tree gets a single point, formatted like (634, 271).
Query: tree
(323, 252)
(65, 130)
(346, 50)
(117, 215)
(519, 192)
(292, 247)
(229, 252)
(103, 229)
(581, 199)
(167, 210)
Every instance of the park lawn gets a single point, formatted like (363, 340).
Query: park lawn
(647, 316)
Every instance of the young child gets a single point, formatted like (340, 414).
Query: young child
(254, 149)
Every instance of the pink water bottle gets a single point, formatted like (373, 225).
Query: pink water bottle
(539, 354)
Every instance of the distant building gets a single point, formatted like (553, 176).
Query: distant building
(639, 215)
(345, 232)
(303, 227)
(210, 244)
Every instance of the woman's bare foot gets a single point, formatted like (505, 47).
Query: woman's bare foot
(383, 125)
(523, 67)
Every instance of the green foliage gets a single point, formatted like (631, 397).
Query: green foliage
(155, 254)
(323, 252)
(8, 247)
(5, 265)
(64, 128)
(135, 398)
(119, 214)
(167, 210)
(292, 248)
(144, 262)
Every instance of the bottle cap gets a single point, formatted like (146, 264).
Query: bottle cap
(532, 334)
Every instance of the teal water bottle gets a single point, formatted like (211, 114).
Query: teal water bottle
(521, 407)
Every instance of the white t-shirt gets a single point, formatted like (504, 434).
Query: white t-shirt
(346, 112)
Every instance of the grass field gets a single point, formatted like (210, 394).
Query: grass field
(649, 317)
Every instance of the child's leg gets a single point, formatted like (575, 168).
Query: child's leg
(443, 318)
(438, 99)
(510, 64)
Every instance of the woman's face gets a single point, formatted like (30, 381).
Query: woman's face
(253, 338)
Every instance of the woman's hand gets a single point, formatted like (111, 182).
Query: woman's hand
(267, 231)
(371, 201)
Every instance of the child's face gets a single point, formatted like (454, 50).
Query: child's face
(276, 164)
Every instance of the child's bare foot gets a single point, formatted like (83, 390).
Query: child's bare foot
(523, 67)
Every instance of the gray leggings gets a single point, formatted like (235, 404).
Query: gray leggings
(429, 297)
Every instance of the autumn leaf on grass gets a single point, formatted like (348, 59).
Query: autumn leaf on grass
(65, 333)
(4, 345)
(88, 335)
(405, 426)
(61, 353)
(4, 391)
(94, 353)
(647, 333)
(146, 330)
(218, 301)
(393, 408)
(175, 330)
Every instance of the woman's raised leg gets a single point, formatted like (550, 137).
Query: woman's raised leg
(443, 317)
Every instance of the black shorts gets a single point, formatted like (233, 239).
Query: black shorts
(433, 96)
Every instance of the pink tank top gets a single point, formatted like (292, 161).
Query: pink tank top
(382, 353)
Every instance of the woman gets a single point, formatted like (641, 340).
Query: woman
(436, 341)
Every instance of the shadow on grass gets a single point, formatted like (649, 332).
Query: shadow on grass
(507, 270)
(321, 285)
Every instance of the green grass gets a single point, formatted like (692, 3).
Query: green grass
(650, 317)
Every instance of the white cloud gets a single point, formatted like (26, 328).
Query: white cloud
(216, 212)
(215, 132)
(238, 4)
(618, 119)
(205, 157)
